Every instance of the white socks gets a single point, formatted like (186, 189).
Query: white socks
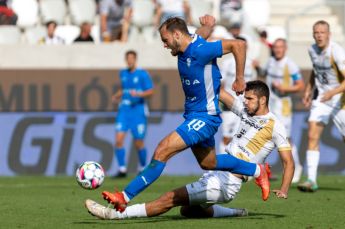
(313, 158)
(295, 155)
(219, 211)
(133, 211)
(123, 169)
(257, 171)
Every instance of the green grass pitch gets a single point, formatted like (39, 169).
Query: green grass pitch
(57, 202)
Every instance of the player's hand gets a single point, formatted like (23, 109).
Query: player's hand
(115, 99)
(280, 194)
(326, 96)
(207, 20)
(239, 86)
(134, 93)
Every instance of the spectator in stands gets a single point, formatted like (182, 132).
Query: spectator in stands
(171, 8)
(84, 36)
(115, 19)
(231, 12)
(51, 38)
(7, 15)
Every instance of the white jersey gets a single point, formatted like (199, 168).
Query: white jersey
(257, 135)
(327, 65)
(228, 71)
(284, 72)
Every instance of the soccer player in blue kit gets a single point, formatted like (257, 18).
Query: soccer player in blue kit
(200, 78)
(136, 85)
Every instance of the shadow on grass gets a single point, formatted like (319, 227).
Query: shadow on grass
(172, 218)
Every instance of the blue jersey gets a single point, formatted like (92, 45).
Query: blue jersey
(200, 77)
(139, 81)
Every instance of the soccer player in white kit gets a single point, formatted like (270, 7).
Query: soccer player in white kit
(231, 121)
(284, 78)
(260, 132)
(327, 78)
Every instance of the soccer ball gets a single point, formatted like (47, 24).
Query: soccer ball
(90, 175)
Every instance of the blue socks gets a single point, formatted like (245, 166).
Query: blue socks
(142, 157)
(227, 162)
(145, 178)
(120, 155)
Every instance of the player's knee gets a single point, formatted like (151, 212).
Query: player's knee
(119, 144)
(139, 144)
(313, 141)
(161, 153)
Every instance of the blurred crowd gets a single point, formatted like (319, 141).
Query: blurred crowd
(68, 21)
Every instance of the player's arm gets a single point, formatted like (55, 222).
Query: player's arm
(309, 90)
(207, 23)
(117, 96)
(288, 171)
(298, 85)
(143, 94)
(226, 98)
(238, 49)
(340, 89)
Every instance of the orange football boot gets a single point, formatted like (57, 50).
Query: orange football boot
(263, 182)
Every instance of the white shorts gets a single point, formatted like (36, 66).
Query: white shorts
(213, 187)
(230, 124)
(321, 112)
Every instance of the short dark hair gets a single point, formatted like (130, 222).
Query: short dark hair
(51, 22)
(322, 22)
(260, 89)
(175, 23)
(281, 39)
(131, 52)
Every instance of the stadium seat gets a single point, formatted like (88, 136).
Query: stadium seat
(10, 34)
(199, 8)
(32, 35)
(68, 32)
(82, 11)
(134, 35)
(53, 10)
(150, 34)
(143, 12)
(27, 12)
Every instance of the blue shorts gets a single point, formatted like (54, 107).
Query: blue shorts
(137, 124)
(199, 131)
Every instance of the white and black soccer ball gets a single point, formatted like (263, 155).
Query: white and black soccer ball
(90, 175)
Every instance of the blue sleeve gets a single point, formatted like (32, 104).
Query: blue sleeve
(147, 83)
(296, 76)
(207, 51)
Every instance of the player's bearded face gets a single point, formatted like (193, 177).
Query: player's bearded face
(170, 42)
(251, 103)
